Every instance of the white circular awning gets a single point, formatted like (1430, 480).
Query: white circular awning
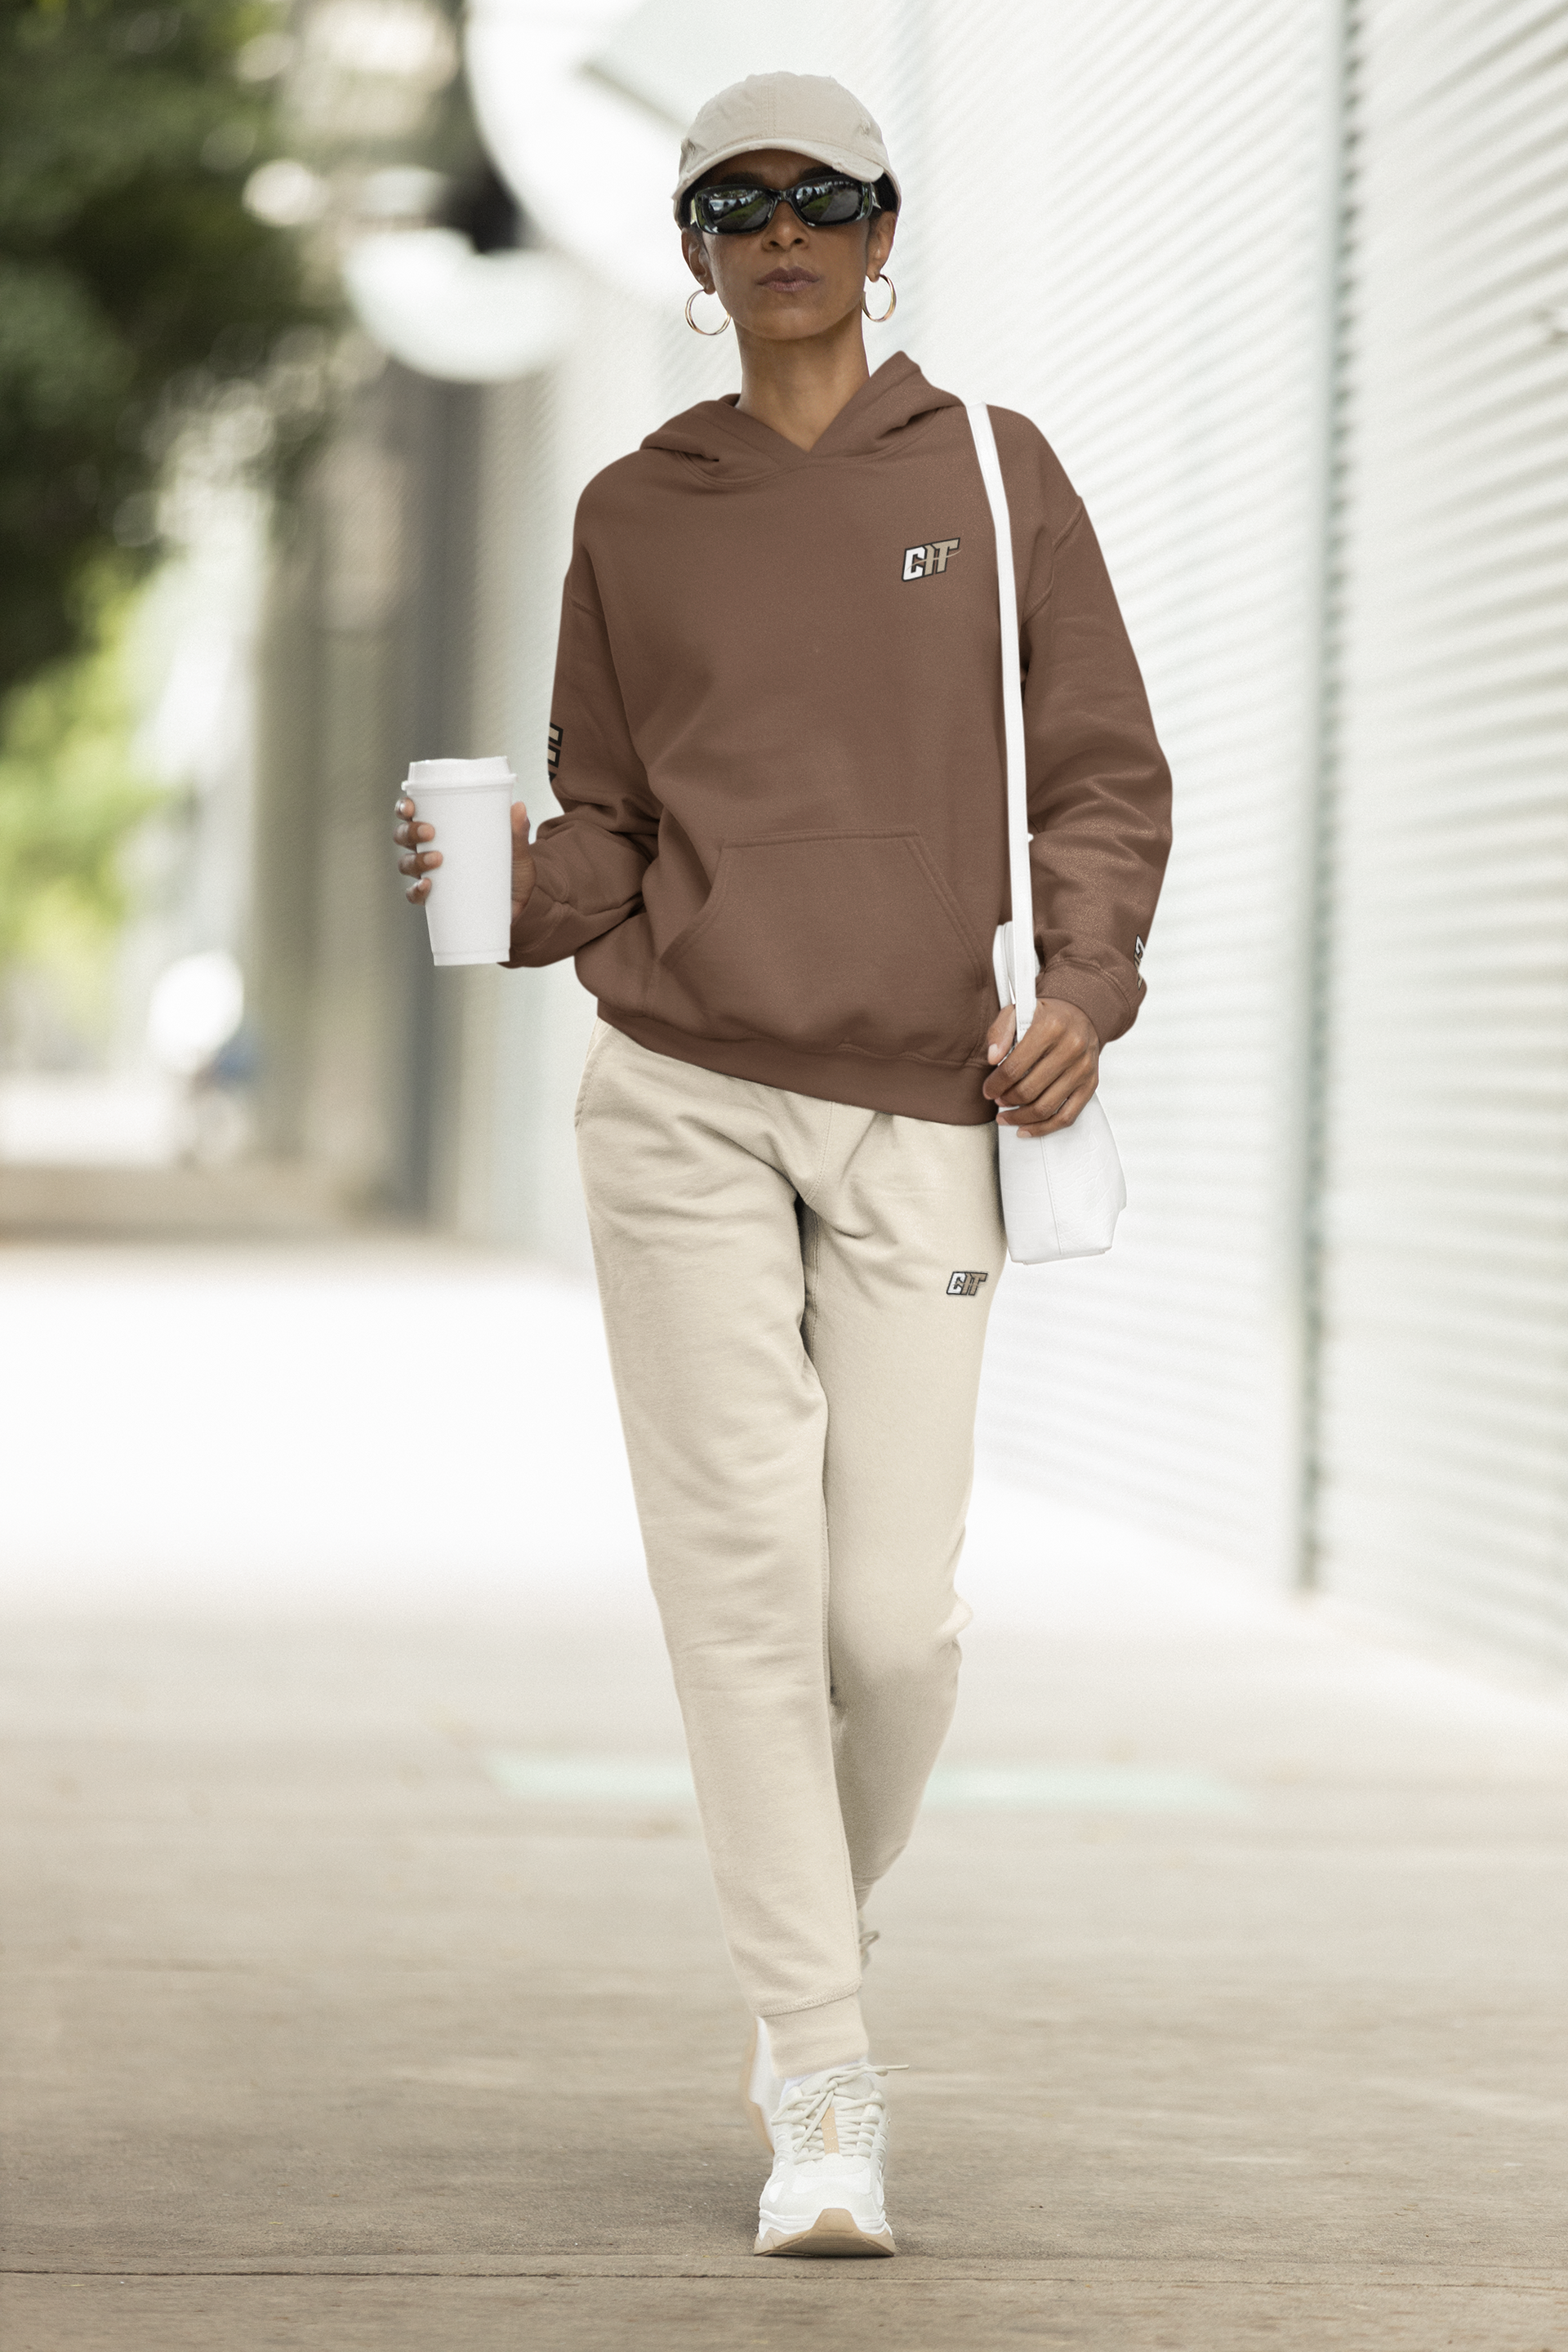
(434, 303)
(593, 168)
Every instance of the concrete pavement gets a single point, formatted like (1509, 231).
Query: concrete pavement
(321, 2037)
(362, 1986)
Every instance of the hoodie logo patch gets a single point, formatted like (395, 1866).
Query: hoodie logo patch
(965, 1285)
(920, 562)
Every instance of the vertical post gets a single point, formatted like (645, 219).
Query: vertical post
(1316, 832)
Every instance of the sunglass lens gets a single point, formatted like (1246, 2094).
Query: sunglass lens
(826, 203)
(735, 212)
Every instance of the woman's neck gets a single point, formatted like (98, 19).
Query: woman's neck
(798, 388)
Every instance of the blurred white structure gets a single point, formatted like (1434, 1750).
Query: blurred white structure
(1286, 288)
(471, 318)
(196, 1005)
(592, 167)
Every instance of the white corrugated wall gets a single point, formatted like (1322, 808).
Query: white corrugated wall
(1443, 1425)
(1157, 300)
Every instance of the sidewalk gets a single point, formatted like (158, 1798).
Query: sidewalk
(362, 1984)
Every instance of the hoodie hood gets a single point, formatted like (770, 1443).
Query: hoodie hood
(896, 398)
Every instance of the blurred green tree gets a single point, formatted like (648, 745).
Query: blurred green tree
(126, 261)
(69, 794)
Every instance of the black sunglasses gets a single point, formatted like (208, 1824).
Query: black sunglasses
(825, 201)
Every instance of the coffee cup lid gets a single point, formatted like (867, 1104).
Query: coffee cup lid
(450, 775)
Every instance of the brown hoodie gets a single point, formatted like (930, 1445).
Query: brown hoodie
(777, 740)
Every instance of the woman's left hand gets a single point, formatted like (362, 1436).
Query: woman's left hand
(1044, 1083)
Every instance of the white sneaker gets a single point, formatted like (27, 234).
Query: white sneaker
(830, 2144)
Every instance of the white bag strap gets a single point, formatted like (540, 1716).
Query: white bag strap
(1021, 957)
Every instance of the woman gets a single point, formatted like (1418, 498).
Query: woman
(777, 740)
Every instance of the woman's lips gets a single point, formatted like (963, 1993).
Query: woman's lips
(788, 282)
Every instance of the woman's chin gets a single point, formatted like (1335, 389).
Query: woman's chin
(790, 319)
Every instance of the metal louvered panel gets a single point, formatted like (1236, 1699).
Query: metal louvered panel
(1160, 308)
(1443, 1418)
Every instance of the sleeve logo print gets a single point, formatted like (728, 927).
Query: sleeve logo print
(553, 758)
(965, 1285)
(920, 562)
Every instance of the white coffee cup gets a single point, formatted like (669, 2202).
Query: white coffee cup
(468, 907)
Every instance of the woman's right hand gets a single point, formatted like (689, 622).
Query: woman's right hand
(419, 860)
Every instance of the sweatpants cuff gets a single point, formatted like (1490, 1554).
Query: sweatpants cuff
(803, 2041)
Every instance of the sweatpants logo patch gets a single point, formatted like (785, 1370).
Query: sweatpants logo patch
(920, 562)
(965, 1285)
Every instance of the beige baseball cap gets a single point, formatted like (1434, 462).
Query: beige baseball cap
(810, 113)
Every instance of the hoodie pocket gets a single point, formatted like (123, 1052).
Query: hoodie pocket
(830, 943)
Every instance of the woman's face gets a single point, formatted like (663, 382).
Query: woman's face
(787, 281)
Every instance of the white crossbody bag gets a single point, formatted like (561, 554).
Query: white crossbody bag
(1062, 1194)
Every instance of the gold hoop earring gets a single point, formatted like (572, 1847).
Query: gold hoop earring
(880, 318)
(692, 321)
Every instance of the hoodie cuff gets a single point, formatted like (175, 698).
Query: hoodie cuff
(1094, 992)
(534, 930)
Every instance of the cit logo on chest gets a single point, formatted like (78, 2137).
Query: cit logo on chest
(965, 1285)
(920, 562)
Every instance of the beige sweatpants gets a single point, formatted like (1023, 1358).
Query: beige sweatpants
(796, 1295)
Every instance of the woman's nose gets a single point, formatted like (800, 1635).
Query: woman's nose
(785, 228)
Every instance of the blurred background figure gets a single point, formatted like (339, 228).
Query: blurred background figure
(316, 320)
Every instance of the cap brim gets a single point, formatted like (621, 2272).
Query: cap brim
(860, 165)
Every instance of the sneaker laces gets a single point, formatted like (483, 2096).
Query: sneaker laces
(802, 2110)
